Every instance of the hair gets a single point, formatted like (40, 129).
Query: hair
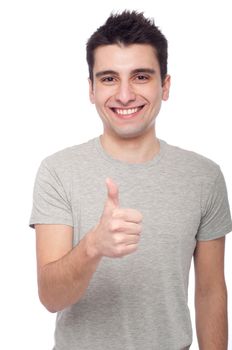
(126, 28)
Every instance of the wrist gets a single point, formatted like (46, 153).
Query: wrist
(91, 246)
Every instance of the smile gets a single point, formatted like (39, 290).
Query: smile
(126, 111)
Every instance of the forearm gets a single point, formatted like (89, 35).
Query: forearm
(211, 320)
(63, 282)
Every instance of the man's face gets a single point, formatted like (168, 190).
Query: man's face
(127, 89)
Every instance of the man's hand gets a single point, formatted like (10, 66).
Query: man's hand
(118, 232)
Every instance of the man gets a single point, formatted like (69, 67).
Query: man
(119, 218)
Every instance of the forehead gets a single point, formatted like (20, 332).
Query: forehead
(122, 58)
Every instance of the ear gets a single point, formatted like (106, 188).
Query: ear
(91, 91)
(166, 87)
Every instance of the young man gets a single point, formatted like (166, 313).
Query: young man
(119, 218)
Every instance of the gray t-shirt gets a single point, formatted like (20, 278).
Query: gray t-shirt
(138, 301)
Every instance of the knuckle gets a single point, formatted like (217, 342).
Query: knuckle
(117, 239)
(120, 251)
(137, 239)
(116, 252)
(113, 226)
(117, 226)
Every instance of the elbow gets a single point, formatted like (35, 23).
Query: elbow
(46, 296)
(53, 311)
(48, 302)
(48, 306)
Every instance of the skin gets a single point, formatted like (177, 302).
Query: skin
(64, 272)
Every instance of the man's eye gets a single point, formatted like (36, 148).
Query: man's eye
(142, 77)
(108, 80)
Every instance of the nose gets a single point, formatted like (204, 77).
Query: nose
(125, 93)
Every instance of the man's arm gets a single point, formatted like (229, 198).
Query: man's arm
(63, 273)
(211, 295)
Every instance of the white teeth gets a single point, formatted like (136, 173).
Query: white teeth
(126, 111)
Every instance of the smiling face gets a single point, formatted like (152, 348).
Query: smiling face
(127, 89)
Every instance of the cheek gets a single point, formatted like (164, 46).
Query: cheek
(103, 97)
(155, 98)
(152, 92)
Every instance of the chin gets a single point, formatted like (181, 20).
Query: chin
(129, 134)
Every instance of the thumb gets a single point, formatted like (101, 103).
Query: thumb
(113, 192)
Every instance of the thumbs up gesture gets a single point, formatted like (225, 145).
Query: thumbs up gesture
(118, 232)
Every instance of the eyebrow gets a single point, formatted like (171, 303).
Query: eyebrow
(134, 71)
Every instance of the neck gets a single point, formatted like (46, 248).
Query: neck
(131, 150)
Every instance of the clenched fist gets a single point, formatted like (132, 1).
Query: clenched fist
(118, 232)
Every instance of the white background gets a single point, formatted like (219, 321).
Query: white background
(44, 107)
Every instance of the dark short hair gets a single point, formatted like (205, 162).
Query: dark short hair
(129, 27)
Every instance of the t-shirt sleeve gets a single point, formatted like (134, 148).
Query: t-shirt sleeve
(50, 200)
(216, 216)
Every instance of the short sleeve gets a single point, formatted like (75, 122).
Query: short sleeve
(50, 200)
(216, 216)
